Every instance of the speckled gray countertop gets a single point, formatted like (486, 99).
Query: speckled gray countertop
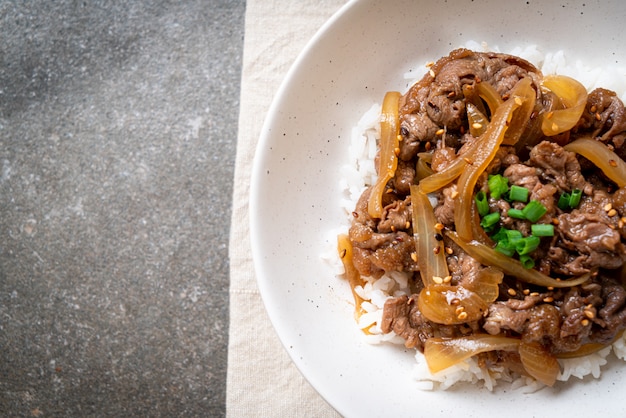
(118, 125)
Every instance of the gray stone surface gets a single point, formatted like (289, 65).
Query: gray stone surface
(117, 144)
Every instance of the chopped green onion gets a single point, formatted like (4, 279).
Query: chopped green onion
(498, 185)
(542, 230)
(505, 248)
(513, 235)
(574, 199)
(481, 203)
(500, 235)
(527, 245)
(526, 261)
(515, 213)
(534, 210)
(518, 193)
(490, 220)
(563, 202)
(570, 201)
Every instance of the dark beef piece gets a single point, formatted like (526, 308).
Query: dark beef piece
(619, 201)
(544, 324)
(501, 317)
(396, 216)
(442, 156)
(605, 117)
(397, 255)
(463, 268)
(444, 211)
(560, 261)
(376, 253)
(505, 156)
(437, 100)
(615, 299)
(416, 128)
(404, 177)
(397, 318)
(557, 166)
(522, 175)
(360, 213)
(382, 245)
(591, 236)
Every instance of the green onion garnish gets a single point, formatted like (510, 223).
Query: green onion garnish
(498, 185)
(542, 230)
(505, 248)
(563, 202)
(527, 245)
(534, 210)
(481, 203)
(515, 213)
(527, 261)
(490, 220)
(513, 235)
(500, 235)
(570, 201)
(574, 199)
(518, 193)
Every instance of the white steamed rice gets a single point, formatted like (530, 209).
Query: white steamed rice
(359, 172)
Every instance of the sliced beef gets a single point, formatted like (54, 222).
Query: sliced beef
(444, 211)
(588, 238)
(404, 177)
(501, 318)
(401, 316)
(437, 101)
(557, 166)
(396, 216)
(605, 117)
(591, 236)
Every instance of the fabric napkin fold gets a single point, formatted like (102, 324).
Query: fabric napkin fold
(262, 380)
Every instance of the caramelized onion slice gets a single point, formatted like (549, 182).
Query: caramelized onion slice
(422, 167)
(450, 305)
(539, 362)
(589, 348)
(598, 153)
(344, 247)
(476, 119)
(489, 94)
(444, 177)
(519, 121)
(477, 162)
(584, 350)
(388, 159)
(441, 353)
(490, 257)
(573, 96)
(431, 257)
(487, 284)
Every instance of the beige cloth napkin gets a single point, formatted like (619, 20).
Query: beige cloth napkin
(262, 380)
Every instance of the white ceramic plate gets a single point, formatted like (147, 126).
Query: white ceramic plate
(362, 52)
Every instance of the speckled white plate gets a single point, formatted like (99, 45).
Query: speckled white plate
(363, 51)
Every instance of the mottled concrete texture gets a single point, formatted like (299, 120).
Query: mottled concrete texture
(117, 144)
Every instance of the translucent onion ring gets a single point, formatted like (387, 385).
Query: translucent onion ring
(431, 256)
(573, 95)
(344, 248)
(599, 154)
(441, 353)
(388, 161)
